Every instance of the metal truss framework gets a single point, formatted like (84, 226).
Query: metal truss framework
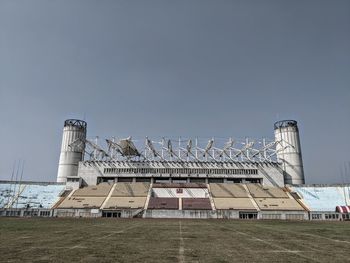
(180, 150)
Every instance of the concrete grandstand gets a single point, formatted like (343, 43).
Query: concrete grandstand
(215, 200)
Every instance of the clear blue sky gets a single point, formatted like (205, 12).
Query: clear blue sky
(167, 68)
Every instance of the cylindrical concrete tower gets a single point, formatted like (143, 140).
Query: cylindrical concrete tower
(289, 151)
(71, 156)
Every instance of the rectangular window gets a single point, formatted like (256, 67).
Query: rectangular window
(316, 216)
(215, 180)
(44, 213)
(143, 179)
(248, 215)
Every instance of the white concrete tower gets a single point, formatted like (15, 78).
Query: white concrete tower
(71, 156)
(289, 151)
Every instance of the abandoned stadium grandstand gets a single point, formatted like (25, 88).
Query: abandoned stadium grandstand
(178, 178)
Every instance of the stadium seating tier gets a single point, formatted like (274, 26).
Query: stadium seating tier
(125, 202)
(323, 198)
(163, 203)
(30, 195)
(234, 203)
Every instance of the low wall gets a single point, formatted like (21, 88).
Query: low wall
(283, 215)
(186, 214)
(20, 212)
(199, 214)
(225, 214)
(77, 213)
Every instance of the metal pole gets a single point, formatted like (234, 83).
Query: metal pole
(20, 180)
(16, 178)
(10, 187)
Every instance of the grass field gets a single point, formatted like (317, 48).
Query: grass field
(152, 240)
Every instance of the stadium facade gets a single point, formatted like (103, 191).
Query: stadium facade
(178, 178)
(268, 162)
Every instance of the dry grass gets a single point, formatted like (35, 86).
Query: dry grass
(148, 240)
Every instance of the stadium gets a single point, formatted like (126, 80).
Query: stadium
(174, 131)
(175, 200)
(178, 178)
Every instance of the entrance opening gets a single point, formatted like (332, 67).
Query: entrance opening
(248, 215)
(116, 214)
